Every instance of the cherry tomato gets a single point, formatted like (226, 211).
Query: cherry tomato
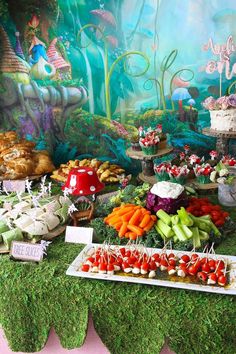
(215, 214)
(192, 270)
(152, 266)
(206, 268)
(212, 264)
(219, 272)
(220, 222)
(212, 277)
(202, 276)
(216, 207)
(85, 268)
(206, 209)
(222, 280)
(194, 257)
(185, 258)
(110, 267)
(172, 262)
(220, 265)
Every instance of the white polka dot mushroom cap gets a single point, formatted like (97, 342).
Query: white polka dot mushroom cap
(90, 173)
(81, 170)
(92, 188)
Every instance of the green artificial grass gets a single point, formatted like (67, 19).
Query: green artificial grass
(129, 318)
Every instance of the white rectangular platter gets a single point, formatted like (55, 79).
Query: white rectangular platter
(228, 290)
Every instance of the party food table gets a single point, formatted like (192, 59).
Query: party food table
(129, 318)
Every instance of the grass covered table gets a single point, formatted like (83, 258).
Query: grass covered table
(129, 318)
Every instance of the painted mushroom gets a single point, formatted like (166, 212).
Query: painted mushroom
(179, 95)
(213, 154)
(106, 18)
(191, 103)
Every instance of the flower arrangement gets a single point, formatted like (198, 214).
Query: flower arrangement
(149, 139)
(222, 175)
(221, 103)
(178, 174)
(228, 160)
(162, 171)
(203, 172)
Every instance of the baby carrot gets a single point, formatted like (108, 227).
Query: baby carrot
(113, 220)
(136, 217)
(132, 236)
(117, 225)
(135, 229)
(123, 229)
(154, 218)
(149, 226)
(127, 216)
(124, 210)
(145, 220)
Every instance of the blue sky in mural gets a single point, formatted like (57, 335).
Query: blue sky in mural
(182, 25)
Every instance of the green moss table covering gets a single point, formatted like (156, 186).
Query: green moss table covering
(129, 318)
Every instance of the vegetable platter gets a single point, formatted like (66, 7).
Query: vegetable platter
(156, 269)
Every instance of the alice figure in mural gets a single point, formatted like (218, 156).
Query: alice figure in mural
(41, 69)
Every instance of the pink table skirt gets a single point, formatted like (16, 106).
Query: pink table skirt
(92, 345)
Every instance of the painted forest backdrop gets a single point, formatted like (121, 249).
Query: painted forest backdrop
(72, 71)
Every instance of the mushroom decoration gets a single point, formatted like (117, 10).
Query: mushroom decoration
(213, 154)
(106, 18)
(63, 69)
(83, 181)
(112, 41)
(10, 64)
(179, 95)
(191, 103)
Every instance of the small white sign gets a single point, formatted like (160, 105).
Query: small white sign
(77, 234)
(26, 251)
(14, 186)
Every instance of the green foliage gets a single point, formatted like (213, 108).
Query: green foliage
(131, 194)
(105, 233)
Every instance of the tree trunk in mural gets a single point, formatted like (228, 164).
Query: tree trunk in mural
(18, 94)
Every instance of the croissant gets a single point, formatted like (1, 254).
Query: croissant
(15, 151)
(11, 135)
(20, 166)
(4, 144)
(43, 163)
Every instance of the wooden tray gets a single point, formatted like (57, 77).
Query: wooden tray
(48, 237)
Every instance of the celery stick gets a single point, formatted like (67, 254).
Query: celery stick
(164, 216)
(175, 238)
(205, 217)
(160, 233)
(166, 230)
(179, 232)
(187, 231)
(214, 229)
(204, 236)
(184, 217)
(196, 237)
(174, 219)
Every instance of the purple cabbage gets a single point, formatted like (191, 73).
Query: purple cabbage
(169, 205)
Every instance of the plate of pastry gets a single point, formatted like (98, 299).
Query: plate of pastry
(19, 159)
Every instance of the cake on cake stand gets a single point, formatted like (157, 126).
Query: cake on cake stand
(147, 174)
(222, 139)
